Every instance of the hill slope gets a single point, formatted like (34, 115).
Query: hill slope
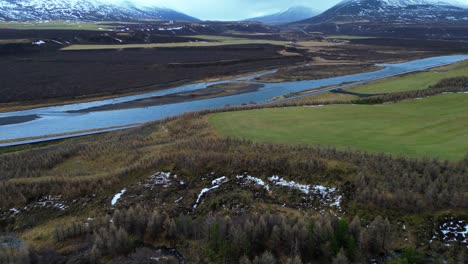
(84, 10)
(392, 11)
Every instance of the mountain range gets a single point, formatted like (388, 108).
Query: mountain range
(85, 10)
(392, 11)
(293, 14)
(374, 11)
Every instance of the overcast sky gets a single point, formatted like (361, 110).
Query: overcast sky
(241, 9)
(237, 9)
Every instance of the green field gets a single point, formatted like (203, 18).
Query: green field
(432, 127)
(210, 42)
(413, 81)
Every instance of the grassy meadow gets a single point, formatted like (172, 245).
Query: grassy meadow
(431, 127)
(413, 81)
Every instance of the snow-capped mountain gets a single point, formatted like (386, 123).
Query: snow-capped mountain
(393, 11)
(86, 10)
(293, 14)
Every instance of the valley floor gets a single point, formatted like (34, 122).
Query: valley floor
(371, 173)
(180, 185)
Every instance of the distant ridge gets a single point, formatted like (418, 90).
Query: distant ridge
(392, 11)
(84, 10)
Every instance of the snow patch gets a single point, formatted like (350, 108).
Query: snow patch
(170, 28)
(254, 180)
(216, 182)
(117, 197)
(281, 182)
(327, 195)
(50, 201)
(39, 43)
(454, 231)
(159, 179)
(219, 181)
(203, 192)
(15, 211)
(58, 42)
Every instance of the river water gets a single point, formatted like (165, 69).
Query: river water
(57, 120)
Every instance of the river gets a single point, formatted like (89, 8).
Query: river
(41, 122)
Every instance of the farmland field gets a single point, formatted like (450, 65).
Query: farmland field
(210, 42)
(414, 81)
(431, 127)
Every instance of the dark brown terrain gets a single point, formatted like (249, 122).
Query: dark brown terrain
(71, 74)
(46, 74)
(448, 31)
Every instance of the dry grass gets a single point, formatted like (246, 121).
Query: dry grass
(210, 41)
(9, 41)
(325, 98)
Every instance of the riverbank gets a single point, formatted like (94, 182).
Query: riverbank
(59, 120)
(218, 90)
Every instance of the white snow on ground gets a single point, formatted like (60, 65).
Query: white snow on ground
(159, 178)
(205, 190)
(454, 231)
(50, 201)
(117, 196)
(40, 42)
(254, 180)
(216, 182)
(219, 180)
(327, 195)
(337, 202)
(14, 210)
(170, 28)
(281, 182)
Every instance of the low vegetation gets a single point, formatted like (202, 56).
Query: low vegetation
(204, 41)
(387, 204)
(235, 186)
